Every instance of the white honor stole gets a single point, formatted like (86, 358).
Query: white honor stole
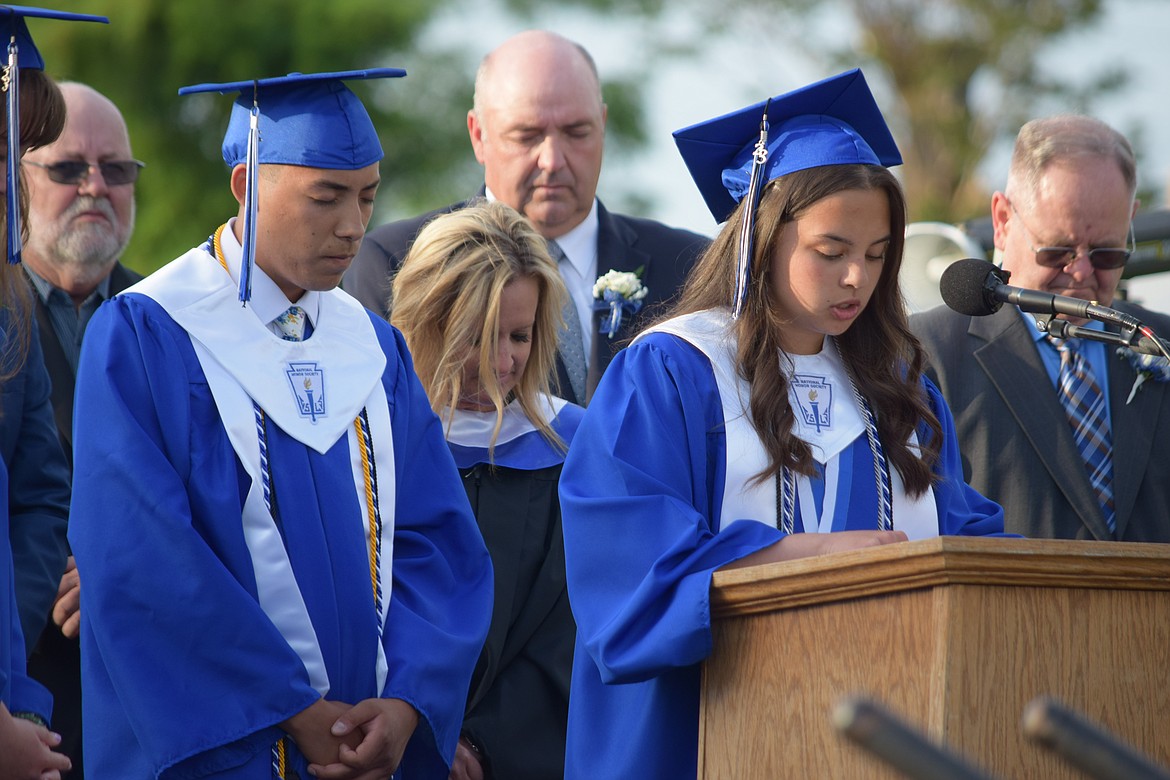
(829, 427)
(468, 428)
(313, 390)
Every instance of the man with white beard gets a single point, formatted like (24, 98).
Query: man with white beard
(80, 215)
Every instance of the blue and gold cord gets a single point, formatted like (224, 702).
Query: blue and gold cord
(370, 480)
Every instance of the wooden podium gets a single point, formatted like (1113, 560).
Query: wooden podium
(954, 635)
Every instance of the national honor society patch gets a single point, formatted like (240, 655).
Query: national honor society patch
(308, 386)
(814, 394)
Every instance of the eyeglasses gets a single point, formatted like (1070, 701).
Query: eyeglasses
(115, 172)
(1104, 258)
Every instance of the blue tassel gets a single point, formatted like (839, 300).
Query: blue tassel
(251, 201)
(12, 172)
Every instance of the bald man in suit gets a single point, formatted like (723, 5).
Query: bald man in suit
(538, 128)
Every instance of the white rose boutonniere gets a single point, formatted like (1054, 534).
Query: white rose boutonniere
(1147, 367)
(614, 293)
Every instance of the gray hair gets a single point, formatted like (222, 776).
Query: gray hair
(1065, 138)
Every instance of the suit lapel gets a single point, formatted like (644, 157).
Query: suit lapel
(122, 277)
(60, 374)
(1133, 427)
(615, 250)
(1014, 368)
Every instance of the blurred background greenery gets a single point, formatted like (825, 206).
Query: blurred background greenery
(926, 56)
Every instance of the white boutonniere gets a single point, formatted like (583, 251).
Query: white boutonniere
(1147, 367)
(616, 292)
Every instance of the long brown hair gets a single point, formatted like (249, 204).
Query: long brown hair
(882, 355)
(446, 301)
(42, 117)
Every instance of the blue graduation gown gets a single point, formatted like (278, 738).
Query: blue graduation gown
(18, 691)
(641, 497)
(38, 483)
(184, 674)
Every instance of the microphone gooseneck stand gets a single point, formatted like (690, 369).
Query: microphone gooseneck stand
(1140, 339)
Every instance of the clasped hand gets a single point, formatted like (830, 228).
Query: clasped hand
(360, 742)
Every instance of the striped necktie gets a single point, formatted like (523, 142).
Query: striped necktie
(1084, 405)
(290, 325)
(571, 343)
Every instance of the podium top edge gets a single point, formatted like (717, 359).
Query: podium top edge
(947, 560)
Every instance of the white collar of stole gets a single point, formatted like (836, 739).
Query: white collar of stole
(311, 389)
(712, 332)
(268, 301)
(474, 429)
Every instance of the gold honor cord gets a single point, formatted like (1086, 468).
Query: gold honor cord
(279, 759)
(369, 478)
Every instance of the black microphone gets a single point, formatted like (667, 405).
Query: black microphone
(1086, 745)
(976, 288)
(875, 729)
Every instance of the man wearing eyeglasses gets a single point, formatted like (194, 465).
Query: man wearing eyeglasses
(1060, 432)
(81, 215)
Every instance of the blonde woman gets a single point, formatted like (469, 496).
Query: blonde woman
(479, 302)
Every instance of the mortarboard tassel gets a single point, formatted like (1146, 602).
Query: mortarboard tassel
(748, 228)
(251, 200)
(11, 85)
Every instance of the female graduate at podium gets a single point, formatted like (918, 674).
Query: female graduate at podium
(778, 411)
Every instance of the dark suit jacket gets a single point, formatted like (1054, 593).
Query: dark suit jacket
(1017, 444)
(38, 485)
(60, 371)
(664, 254)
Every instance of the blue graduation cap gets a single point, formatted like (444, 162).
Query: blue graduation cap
(22, 53)
(307, 119)
(832, 122)
(835, 121)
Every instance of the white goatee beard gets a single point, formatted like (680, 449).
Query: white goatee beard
(90, 248)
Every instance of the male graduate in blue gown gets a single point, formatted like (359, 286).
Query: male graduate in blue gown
(281, 574)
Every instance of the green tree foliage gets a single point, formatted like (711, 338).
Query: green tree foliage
(933, 52)
(930, 55)
(153, 47)
(937, 60)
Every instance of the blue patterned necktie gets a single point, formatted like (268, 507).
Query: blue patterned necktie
(1084, 404)
(291, 324)
(571, 343)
